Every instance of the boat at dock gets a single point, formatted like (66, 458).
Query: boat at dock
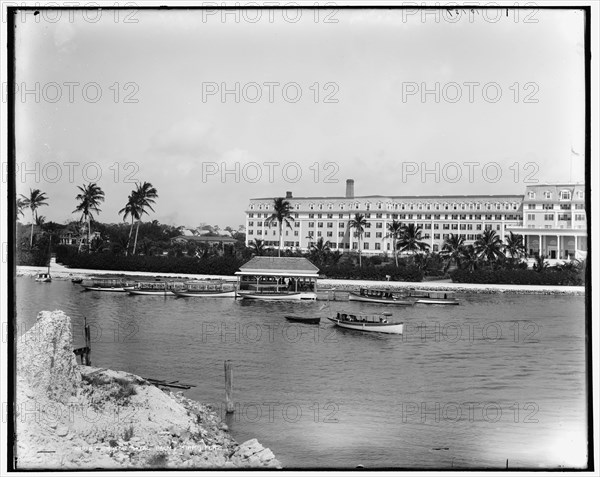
(207, 289)
(43, 278)
(376, 295)
(273, 292)
(376, 323)
(156, 288)
(278, 279)
(309, 320)
(433, 297)
(107, 285)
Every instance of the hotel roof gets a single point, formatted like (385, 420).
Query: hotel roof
(482, 196)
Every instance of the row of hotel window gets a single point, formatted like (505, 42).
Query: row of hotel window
(365, 245)
(414, 216)
(550, 217)
(562, 195)
(380, 234)
(428, 216)
(356, 206)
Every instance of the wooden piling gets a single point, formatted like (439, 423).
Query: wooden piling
(229, 387)
(88, 343)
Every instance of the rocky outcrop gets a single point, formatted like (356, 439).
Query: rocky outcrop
(80, 417)
(45, 357)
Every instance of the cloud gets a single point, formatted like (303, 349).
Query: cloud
(187, 137)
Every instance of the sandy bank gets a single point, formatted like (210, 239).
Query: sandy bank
(69, 416)
(60, 272)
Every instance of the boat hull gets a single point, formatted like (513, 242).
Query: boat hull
(302, 319)
(390, 328)
(151, 292)
(356, 297)
(206, 294)
(108, 289)
(433, 301)
(278, 296)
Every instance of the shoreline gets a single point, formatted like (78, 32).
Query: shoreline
(63, 273)
(89, 417)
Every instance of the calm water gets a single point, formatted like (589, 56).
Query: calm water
(498, 377)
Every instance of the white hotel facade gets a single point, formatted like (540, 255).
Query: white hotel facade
(550, 217)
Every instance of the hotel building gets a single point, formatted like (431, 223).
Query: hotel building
(551, 217)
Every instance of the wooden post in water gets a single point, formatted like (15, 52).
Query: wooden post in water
(229, 387)
(88, 343)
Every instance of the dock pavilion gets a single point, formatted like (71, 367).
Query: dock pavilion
(279, 276)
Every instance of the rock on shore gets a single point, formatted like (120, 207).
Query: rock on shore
(69, 416)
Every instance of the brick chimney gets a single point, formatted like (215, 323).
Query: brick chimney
(288, 194)
(350, 189)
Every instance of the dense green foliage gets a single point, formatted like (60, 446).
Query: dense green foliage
(214, 265)
(550, 276)
(347, 271)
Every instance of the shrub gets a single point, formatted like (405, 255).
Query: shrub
(550, 276)
(347, 271)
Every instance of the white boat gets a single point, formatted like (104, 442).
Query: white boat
(375, 323)
(207, 289)
(156, 288)
(431, 297)
(43, 278)
(376, 295)
(275, 291)
(265, 295)
(107, 285)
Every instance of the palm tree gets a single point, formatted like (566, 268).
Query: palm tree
(320, 250)
(359, 223)
(20, 207)
(142, 199)
(394, 232)
(469, 259)
(452, 250)
(90, 197)
(257, 246)
(282, 214)
(411, 240)
(488, 246)
(36, 199)
(131, 209)
(540, 264)
(515, 246)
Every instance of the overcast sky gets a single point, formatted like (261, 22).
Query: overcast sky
(161, 117)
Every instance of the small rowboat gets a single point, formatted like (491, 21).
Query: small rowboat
(377, 323)
(43, 278)
(309, 320)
